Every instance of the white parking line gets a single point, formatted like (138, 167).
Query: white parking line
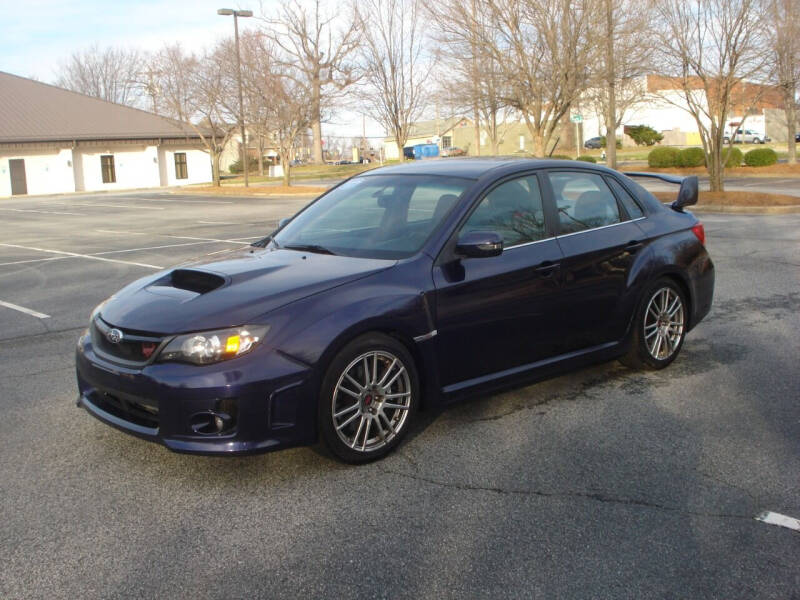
(27, 311)
(778, 519)
(109, 205)
(151, 248)
(44, 212)
(33, 260)
(217, 223)
(239, 241)
(89, 256)
(119, 232)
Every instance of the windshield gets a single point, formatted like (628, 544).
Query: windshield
(378, 216)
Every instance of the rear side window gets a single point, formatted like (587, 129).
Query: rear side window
(583, 201)
(514, 210)
(634, 210)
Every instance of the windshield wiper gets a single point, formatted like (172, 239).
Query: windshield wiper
(309, 248)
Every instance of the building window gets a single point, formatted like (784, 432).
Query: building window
(107, 166)
(447, 141)
(180, 166)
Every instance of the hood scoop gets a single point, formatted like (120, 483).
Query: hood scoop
(199, 282)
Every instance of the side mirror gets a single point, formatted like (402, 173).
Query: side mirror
(687, 195)
(283, 222)
(480, 244)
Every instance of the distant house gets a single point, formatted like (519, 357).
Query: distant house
(53, 141)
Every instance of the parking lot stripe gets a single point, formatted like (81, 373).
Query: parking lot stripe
(120, 232)
(44, 212)
(27, 311)
(33, 260)
(151, 248)
(231, 241)
(778, 519)
(89, 256)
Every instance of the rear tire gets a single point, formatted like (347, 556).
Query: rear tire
(368, 398)
(659, 326)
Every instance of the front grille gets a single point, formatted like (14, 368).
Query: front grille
(135, 410)
(136, 348)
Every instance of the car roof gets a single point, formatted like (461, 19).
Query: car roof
(474, 168)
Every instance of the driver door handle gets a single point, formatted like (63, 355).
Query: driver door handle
(634, 246)
(547, 268)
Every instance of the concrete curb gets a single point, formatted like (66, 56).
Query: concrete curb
(752, 210)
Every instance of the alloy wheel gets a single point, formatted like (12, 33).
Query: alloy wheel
(371, 401)
(663, 323)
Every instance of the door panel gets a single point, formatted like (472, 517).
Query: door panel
(19, 183)
(496, 313)
(599, 244)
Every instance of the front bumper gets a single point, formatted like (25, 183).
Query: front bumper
(259, 402)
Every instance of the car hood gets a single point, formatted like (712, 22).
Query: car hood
(231, 289)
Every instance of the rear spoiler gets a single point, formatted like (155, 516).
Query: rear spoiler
(688, 192)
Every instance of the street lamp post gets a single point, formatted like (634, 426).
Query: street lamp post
(236, 14)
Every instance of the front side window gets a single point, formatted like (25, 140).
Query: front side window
(107, 168)
(514, 210)
(583, 201)
(181, 172)
(375, 216)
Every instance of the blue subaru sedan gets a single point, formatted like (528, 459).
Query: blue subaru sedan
(401, 288)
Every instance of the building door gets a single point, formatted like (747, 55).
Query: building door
(19, 185)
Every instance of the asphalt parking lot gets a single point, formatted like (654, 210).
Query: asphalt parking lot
(605, 483)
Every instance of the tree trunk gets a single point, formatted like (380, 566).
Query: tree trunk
(400, 149)
(611, 108)
(477, 114)
(316, 124)
(286, 167)
(791, 126)
(215, 156)
(715, 166)
(260, 156)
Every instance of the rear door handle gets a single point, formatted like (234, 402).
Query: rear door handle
(634, 246)
(547, 268)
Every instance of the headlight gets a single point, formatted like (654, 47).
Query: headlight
(213, 346)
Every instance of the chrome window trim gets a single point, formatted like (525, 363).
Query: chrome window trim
(601, 227)
(529, 243)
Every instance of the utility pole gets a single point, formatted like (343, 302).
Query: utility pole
(243, 155)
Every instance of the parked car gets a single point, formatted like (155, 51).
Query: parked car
(453, 151)
(748, 136)
(594, 143)
(403, 287)
(797, 137)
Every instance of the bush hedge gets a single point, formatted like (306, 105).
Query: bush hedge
(603, 142)
(691, 157)
(236, 166)
(663, 157)
(586, 158)
(761, 157)
(732, 157)
(560, 157)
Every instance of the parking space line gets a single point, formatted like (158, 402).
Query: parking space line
(151, 248)
(773, 518)
(230, 241)
(33, 260)
(27, 311)
(44, 212)
(89, 256)
(119, 232)
(109, 205)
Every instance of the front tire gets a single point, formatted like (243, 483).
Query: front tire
(659, 326)
(368, 398)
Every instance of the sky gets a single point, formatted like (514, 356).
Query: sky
(36, 35)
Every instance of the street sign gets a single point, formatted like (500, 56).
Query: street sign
(576, 118)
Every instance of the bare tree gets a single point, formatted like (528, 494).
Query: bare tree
(111, 74)
(544, 50)
(318, 46)
(470, 70)
(784, 17)
(710, 48)
(396, 68)
(620, 65)
(198, 92)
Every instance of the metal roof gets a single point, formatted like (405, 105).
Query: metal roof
(31, 111)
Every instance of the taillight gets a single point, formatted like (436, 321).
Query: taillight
(700, 233)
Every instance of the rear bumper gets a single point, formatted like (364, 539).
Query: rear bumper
(262, 401)
(701, 278)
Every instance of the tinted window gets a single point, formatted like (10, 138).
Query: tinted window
(634, 210)
(514, 210)
(376, 216)
(583, 201)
